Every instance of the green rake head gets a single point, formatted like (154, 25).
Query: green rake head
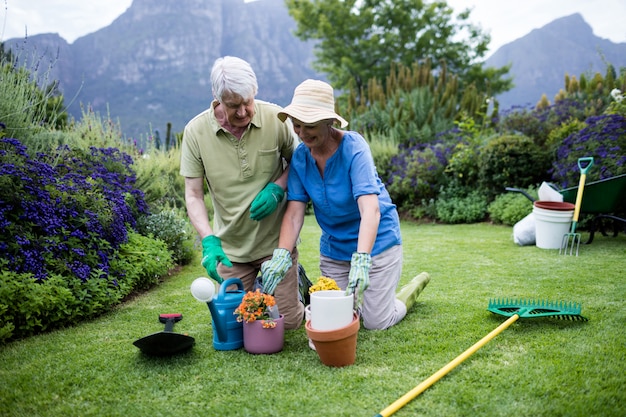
(533, 309)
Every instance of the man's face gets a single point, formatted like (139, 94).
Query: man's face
(239, 111)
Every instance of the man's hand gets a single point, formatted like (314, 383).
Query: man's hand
(359, 278)
(266, 201)
(274, 270)
(212, 254)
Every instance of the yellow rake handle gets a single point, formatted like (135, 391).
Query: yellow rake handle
(404, 400)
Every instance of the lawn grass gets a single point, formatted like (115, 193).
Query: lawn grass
(536, 367)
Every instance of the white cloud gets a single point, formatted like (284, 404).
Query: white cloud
(507, 21)
(69, 18)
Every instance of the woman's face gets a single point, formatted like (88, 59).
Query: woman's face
(239, 111)
(312, 134)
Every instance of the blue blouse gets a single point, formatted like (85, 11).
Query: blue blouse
(349, 174)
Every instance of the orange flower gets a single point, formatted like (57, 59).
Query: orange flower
(254, 306)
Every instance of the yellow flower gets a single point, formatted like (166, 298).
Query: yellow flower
(324, 283)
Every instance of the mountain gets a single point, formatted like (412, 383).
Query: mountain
(152, 65)
(541, 59)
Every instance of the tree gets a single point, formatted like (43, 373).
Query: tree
(359, 40)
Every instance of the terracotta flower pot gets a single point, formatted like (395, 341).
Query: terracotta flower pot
(259, 340)
(336, 347)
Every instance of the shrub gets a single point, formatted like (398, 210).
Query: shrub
(509, 208)
(158, 177)
(463, 166)
(170, 227)
(30, 306)
(559, 134)
(537, 123)
(6, 327)
(456, 206)
(25, 108)
(140, 263)
(618, 105)
(414, 115)
(69, 217)
(511, 160)
(417, 173)
(604, 138)
(383, 150)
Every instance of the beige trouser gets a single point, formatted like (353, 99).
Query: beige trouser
(286, 292)
(380, 309)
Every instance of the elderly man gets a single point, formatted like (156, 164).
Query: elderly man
(240, 148)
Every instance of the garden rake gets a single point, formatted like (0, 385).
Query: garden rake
(514, 309)
(572, 238)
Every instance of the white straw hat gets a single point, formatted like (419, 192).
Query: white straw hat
(313, 101)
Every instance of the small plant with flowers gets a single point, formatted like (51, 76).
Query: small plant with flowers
(323, 284)
(618, 105)
(256, 306)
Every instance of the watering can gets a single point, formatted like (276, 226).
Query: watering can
(227, 331)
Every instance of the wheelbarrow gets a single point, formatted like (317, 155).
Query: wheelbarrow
(604, 200)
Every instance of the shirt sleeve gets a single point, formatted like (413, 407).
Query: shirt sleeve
(363, 171)
(295, 187)
(190, 163)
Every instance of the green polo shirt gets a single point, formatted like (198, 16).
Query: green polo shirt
(236, 170)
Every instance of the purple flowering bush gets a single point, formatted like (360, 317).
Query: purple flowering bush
(537, 122)
(64, 220)
(69, 217)
(416, 173)
(603, 138)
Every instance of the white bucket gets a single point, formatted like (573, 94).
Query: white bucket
(331, 309)
(552, 223)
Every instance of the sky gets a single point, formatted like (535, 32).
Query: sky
(504, 20)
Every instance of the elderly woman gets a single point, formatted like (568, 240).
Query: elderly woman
(360, 245)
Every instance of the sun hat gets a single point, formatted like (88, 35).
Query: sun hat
(313, 100)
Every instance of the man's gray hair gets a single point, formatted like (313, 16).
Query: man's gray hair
(233, 75)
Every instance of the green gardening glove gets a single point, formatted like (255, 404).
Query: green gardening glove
(274, 270)
(359, 277)
(213, 254)
(266, 201)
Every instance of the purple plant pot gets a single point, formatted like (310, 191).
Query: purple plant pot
(259, 340)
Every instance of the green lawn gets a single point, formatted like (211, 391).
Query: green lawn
(537, 367)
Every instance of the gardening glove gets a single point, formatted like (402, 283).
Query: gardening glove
(212, 254)
(266, 201)
(359, 277)
(274, 270)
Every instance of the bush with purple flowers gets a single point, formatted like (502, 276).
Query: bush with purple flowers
(65, 219)
(604, 139)
(537, 123)
(72, 211)
(416, 173)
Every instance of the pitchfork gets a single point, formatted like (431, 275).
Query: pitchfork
(572, 238)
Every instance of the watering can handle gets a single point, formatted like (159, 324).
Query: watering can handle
(227, 283)
(581, 161)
